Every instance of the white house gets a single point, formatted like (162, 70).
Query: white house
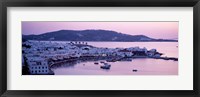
(38, 66)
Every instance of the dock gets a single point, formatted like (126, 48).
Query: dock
(166, 58)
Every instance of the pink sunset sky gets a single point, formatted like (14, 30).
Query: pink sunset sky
(159, 30)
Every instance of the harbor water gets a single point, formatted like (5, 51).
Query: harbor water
(144, 66)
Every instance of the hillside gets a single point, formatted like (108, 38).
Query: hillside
(90, 35)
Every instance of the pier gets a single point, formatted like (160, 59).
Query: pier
(166, 58)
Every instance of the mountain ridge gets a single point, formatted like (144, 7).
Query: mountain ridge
(91, 35)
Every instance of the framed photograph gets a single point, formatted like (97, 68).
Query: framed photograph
(90, 48)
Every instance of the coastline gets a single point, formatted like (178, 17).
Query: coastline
(81, 51)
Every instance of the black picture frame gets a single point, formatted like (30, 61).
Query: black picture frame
(99, 3)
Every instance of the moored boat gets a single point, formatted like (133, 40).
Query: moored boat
(135, 70)
(102, 62)
(96, 63)
(106, 66)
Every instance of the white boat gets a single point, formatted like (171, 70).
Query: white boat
(106, 66)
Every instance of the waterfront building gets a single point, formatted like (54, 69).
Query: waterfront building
(38, 66)
(124, 53)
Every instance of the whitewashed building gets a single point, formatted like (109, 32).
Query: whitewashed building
(38, 66)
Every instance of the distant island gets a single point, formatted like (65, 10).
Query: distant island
(92, 35)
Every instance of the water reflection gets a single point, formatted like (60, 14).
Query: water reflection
(144, 66)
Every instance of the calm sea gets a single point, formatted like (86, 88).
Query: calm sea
(145, 66)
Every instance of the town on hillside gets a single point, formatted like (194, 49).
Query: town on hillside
(39, 56)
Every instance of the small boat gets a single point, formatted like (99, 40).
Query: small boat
(102, 62)
(135, 70)
(106, 66)
(96, 63)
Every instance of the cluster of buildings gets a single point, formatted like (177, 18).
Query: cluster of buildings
(39, 55)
